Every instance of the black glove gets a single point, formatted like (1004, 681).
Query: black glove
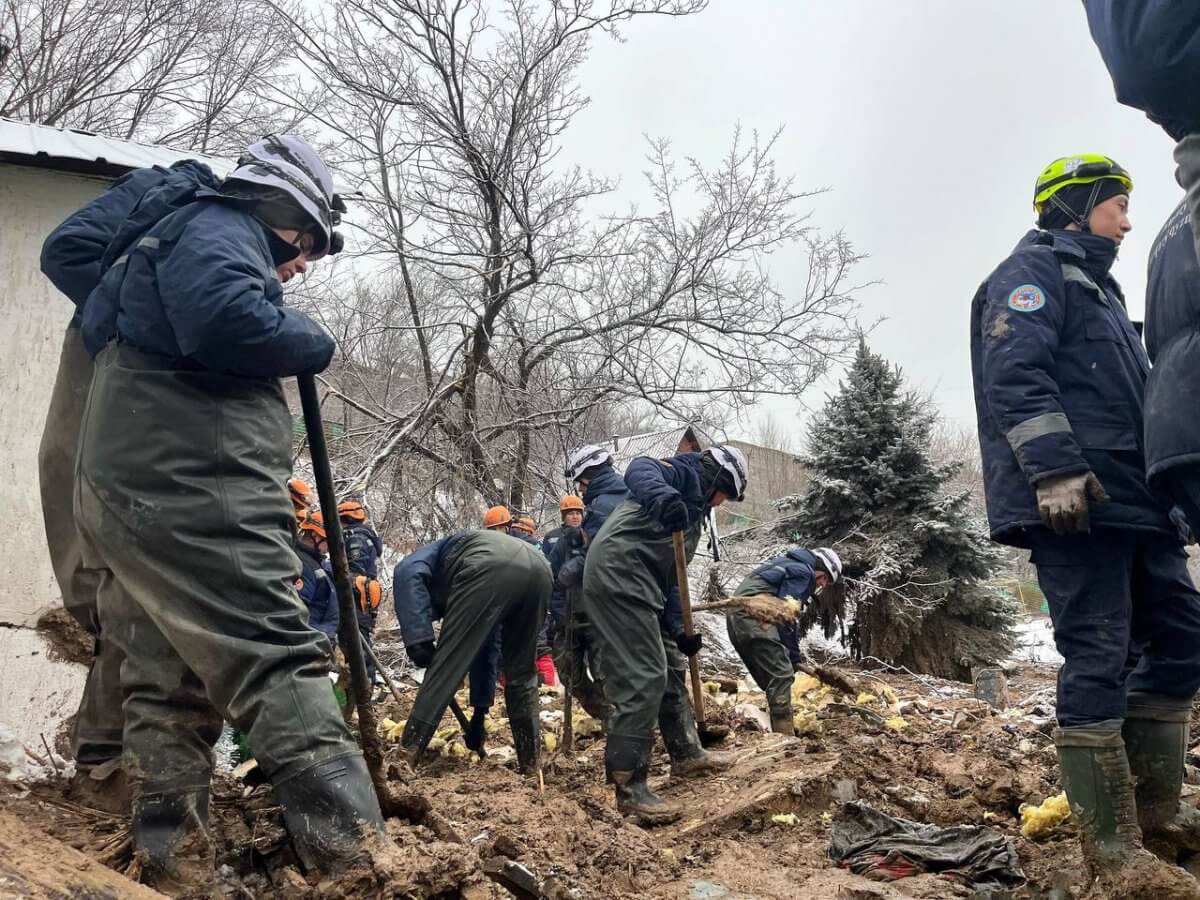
(673, 515)
(421, 654)
(572, 537)
(689, 645)
(476, 732)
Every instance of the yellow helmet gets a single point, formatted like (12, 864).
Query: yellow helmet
(1083, 168)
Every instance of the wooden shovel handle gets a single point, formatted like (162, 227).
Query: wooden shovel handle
(685, 606)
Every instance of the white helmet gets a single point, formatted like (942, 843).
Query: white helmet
(831, 562)
(583, 458)
(289, 163)
(732, 461)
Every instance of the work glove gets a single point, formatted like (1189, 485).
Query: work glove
(476, 731)
(688, 644)
(421, 654)
(1063, 502)
(673, 515)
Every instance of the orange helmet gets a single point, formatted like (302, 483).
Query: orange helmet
(497, 516)
(353, 510)
(570, 502)
(525, 524)
(311, 522)
(302, 495)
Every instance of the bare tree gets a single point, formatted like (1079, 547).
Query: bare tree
(199, 74)
(519, 316)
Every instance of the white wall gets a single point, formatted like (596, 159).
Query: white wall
(35, 693)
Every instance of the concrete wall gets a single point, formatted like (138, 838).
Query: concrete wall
(35, 693)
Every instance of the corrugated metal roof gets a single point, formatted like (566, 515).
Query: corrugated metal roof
(45, 146)
(655, 444)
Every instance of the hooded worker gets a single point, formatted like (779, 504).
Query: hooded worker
(1060, 376)
(485, 586)
(183, 460)
(772, 651)
(631, 597)
(74, 257)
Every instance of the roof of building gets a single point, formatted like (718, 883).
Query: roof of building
(86, 153)
(656, 444)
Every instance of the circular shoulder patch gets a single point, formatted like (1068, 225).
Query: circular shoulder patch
(1026, 298)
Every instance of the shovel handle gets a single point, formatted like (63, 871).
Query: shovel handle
(685, 606)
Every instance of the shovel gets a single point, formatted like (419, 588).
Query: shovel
(708, 735)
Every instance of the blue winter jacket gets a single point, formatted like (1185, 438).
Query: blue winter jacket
(1173, 341)
(78, 252)
(791, 575)
(363, 548)
(316, 590)
(1059, 376)
(601, 496)
(201, 288)
(420, 589)
(1152, 51)
(651, 483)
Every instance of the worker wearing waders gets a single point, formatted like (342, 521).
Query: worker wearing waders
(181, 501)
(1060, 375)
(577, 652)
(74, 257)
(475, 582)
(631, 596)
(771, 652)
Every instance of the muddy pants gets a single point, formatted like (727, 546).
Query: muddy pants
(766, 658)
(1126, 618)
(181, 501)
(577, 658)
(493, 580)
(96, 736)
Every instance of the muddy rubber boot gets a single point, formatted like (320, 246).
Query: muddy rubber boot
(782, 723)
(1095, 774)
(526, 743)
(634, 798)
(331, 812)
(1156, 735)
(707, 763)
(170, 837)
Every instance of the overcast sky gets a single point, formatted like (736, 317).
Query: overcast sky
(928, 119)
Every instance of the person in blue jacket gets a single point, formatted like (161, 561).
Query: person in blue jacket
(314, 585)
(1060, 375)
(629, 588)
(1152, 51)
(479, 583)
(363, 549)
(576, 650)
(771, 651)
(73, 257)
(181, 500)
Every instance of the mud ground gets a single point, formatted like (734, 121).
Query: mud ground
(921, 749)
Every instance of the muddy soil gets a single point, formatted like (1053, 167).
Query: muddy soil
(923, 750)
(66, 639)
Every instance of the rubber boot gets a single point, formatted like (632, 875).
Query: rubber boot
(707, 763)
(170, 837)
(1095, 773)
(634, 798)
(783, 723)
(1156, 735)
(331, 812)
(525, 741)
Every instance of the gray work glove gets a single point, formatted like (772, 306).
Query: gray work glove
(1063, 502)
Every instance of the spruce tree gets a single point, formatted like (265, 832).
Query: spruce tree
(917, 565)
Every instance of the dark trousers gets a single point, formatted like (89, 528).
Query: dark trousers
(577, 658)
(494, 580)
(766, 658)
(182, 504)
(1126, 618)
(96, 735)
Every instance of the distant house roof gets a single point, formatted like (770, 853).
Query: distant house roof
(656, 444)
(86, 153)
